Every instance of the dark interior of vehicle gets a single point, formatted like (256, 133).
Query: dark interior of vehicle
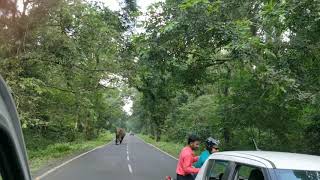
(217, 178)
(256, 174)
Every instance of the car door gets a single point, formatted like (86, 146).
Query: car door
(13, 157)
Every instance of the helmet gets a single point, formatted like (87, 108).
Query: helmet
(210, 142)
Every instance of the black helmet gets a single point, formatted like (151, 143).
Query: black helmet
(210, 142)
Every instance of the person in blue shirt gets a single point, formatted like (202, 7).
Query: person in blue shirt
(212, 146)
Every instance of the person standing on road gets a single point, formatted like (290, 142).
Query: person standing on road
(185, 170)
(212, 146)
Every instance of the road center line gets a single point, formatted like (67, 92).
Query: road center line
(128, 158)
(130, 169)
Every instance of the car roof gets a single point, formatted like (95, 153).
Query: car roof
(278, 160)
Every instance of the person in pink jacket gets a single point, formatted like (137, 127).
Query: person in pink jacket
(185, 170)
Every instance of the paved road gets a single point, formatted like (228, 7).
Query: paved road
(133, 160)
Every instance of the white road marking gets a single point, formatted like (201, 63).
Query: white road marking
(128, 158)
(63, 164)
(130, 169)
(158, 149)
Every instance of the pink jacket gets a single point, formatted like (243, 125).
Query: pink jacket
(186, 159)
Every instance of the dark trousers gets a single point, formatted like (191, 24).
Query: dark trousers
(186, 177)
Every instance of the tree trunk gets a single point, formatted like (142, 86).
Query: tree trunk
(226, 124)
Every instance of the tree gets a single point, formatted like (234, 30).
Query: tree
(54, 64)
(256, 59)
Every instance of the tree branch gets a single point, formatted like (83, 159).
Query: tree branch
(210, 61)
(73, 65)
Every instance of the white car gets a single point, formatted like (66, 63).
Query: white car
(260, 165)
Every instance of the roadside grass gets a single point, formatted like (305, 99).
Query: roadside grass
(169, 147)
(42, 156)
(172, 148)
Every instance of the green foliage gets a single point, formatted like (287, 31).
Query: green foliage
(235, 70)
(169, 147)
(56, 63)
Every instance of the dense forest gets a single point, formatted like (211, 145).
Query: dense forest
(60, 59)
(234, 70)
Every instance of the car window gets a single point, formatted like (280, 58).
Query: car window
(245, 172)
(216, 169)
(284, 174)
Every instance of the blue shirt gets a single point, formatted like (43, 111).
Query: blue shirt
(203, 157)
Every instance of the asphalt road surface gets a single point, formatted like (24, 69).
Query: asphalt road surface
(133, 159)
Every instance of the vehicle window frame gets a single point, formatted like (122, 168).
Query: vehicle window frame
(9, 162)
(13, 155)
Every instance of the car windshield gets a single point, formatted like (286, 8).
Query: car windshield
(285, 174)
